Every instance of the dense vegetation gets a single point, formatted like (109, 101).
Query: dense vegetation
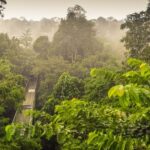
(86, 99)
(137, 36)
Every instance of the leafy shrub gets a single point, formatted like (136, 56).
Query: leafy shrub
(68, 87)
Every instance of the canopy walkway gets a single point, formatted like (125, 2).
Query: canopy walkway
(28, 104)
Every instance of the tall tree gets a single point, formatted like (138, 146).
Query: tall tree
(41, 46)
(137, 38)
(26, 39)
(75, 38)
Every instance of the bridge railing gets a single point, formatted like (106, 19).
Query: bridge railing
(18, 109)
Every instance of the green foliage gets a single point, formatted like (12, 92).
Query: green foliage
(94, 126)
(48, 72)
(130, 95)
(50, 104)
(109, 141)
(10, 130)
(136, 41)
(16, 133)
(20, 57)
(136, 91)
(74, 49)
(68, 87)
(4, 44)
(111, 118)
(41, 46)
(75, 38)
(71, 130)
(11, 92)
(97, 85)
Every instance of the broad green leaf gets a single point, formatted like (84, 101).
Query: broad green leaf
(10, 131)
(91, 137)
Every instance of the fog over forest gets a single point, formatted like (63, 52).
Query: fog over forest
(104, 27)
(77, 81)
(48, 27)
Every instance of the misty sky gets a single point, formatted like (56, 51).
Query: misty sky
(37, 9)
